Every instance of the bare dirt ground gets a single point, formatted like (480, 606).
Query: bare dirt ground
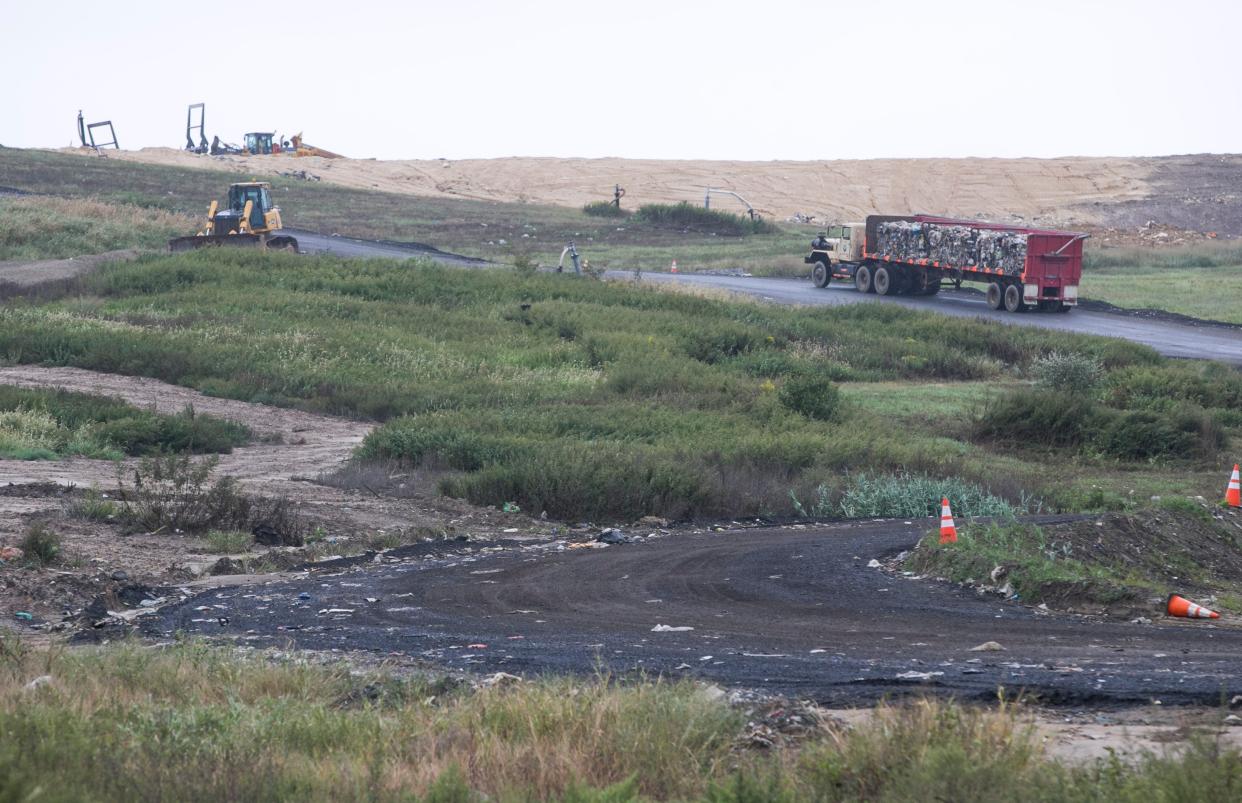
(17, 276)
(292, 449)
(1190, 192)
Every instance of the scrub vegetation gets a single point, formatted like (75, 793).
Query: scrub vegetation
(48, 424)
(187, 722)
(39, 227)
(612, 401)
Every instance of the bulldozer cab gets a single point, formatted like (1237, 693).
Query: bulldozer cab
(259, 143)
(264, 215)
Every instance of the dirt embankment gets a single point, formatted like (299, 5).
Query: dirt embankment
(292, 449)
(1099, 191)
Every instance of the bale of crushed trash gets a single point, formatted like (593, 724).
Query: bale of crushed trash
(952, 245)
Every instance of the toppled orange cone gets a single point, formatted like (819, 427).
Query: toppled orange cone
(948, 530)
(1180, 606)
(1233, 494)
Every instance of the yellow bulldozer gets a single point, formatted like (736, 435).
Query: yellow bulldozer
(251, 220)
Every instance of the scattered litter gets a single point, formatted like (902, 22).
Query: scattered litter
(670, 629)
(43, 680)
(511, 507)
(612, 536)
(330, 611)
(10, 553)
(24, 616)
(501, 679)
(988, 646)
(918, 675)
(476, 646)
(303, 595)
(873, 564)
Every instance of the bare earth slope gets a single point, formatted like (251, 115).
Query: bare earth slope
(1193, 192)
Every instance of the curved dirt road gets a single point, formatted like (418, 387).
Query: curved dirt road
(794, 610)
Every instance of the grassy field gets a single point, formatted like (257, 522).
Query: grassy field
(590, 400)
(495, 231)
(41, 227)
(190, 723)
(1202, 281)
(49, 424)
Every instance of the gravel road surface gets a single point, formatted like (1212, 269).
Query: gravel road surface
(794, 610)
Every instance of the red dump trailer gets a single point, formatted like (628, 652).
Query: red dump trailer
(1024, 268)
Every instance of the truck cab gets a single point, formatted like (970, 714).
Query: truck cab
(836, 253)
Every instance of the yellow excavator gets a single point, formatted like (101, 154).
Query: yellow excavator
(250, 221)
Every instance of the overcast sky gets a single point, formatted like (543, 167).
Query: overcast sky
(759, 80)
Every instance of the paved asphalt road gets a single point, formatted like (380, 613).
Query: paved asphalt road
(792, 610)
(1169, 338)
(311, 243)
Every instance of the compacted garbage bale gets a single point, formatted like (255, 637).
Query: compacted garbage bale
(953, 245)
(1002, 249)
(902, 240)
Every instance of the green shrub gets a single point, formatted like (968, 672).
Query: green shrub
(1066, 372)
(1038, 418)
(603, 209)
(904, 495)
(1144, 435)
(174, 493)
(40, 545)
(811, 396)
(95, 506)
(147, 433)
(229, 541)
(688, 217)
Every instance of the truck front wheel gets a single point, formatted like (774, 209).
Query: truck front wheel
(820, 274)
(862, 279)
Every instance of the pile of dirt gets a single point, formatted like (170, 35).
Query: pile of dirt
(1186, 191)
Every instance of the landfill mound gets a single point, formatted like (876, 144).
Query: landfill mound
(1192, 192)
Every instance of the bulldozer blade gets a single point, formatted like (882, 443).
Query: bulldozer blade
(280, 242)
(215, 240)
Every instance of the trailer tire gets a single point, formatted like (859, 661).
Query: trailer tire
(995, 296)
(862, 279)
(821, 274)
(1013, 299)
(884, 281)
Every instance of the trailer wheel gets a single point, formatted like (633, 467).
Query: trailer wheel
(862, 279)
(1013, 299)
(995, 296)
(820, 274)
(884, 281)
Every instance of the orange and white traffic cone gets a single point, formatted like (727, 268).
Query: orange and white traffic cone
(673, 269)
(1180, 606)
(1233, 494)
(948, 530)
